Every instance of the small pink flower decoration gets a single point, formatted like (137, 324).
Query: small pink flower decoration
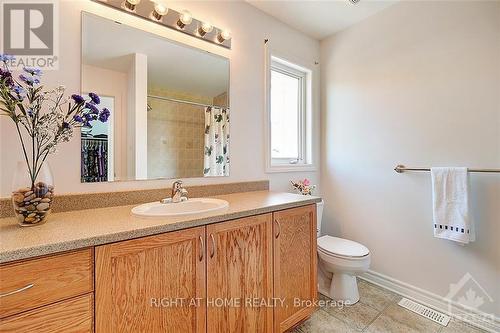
(304, 187)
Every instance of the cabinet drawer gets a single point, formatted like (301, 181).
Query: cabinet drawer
(73, 315)
(33, 283)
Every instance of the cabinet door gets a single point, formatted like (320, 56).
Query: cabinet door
(239, 269)
(152, 284)
(295, 275)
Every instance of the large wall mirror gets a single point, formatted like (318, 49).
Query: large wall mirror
(169, 106)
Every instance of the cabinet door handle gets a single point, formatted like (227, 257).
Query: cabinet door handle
(212, 253)
(29, 286)
(202, 248)
(278, 228)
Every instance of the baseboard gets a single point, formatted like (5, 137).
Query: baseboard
(474, 317)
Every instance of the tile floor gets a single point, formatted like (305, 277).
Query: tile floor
(376, 312)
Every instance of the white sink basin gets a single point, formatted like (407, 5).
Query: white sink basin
(189, 207)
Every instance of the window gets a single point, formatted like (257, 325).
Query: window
(288, 114)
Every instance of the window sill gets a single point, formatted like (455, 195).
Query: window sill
(290, 168)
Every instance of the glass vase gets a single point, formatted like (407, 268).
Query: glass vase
(32, 200)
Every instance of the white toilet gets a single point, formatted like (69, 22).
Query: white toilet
(339, 262)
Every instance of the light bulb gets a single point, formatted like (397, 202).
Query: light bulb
(205, 28)
(130, 5)
(159, 11)
(184, 19)
(223, 36)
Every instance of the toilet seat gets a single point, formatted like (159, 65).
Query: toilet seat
(342, 248)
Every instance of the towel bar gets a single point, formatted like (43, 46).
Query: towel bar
(401, 168)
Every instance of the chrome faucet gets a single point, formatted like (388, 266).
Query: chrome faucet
(179, 193)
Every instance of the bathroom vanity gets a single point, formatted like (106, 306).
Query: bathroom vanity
(249, 268)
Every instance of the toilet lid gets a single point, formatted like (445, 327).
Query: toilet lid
(342, 247)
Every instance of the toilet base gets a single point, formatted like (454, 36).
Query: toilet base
(337, 274)
(344, 288)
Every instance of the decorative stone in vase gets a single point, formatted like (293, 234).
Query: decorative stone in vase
(32, 200)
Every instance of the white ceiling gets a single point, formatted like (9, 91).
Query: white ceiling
(108, 44)
(320, 19)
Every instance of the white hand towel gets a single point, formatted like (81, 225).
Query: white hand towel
(450, 204)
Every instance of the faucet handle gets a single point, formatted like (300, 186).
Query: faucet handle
(176, 186)
(178, 191)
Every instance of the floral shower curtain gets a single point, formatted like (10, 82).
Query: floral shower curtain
(216, 161)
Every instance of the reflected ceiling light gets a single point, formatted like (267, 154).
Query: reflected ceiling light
(185, 18)
(205, 28)
(159, 11)
(223, 36)
(130, 5)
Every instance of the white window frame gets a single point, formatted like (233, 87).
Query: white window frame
(294, 68)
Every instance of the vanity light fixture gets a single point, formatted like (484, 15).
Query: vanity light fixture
(158, 12)
(129, 5)
(185, 18)
(223, 36)
(205, 28)
(183, 21)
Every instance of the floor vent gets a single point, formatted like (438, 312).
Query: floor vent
(425, 311)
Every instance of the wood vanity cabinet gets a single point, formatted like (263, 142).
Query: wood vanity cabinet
(295, 274)
(239, 273)
(142, 285)
(172, 282)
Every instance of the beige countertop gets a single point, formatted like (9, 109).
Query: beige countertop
(90, 227)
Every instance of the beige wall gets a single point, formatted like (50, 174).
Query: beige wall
(419, 84)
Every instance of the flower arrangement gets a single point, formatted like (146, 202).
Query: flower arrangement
(304, 187)
(43, 119)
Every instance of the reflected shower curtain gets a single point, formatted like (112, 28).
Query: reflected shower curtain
(216, 161)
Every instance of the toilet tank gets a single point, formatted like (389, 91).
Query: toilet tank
(319, 217)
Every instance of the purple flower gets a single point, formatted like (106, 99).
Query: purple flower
(66, 125)
(95, 99)
(93, 109)
(104, 115)
(77, 98)
(33, 70)
(90, 116)
(78, 118)
(19, 91)
(6, 77)
(6, 57)
(29, 80)
(29, 111)
(4, 72)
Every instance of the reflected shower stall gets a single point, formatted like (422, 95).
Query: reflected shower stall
(175, 138)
